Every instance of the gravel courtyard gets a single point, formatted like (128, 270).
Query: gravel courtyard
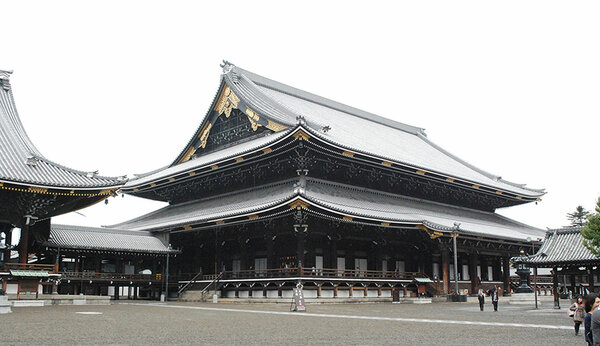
(354, 324)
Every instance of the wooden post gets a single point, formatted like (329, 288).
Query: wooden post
(590, 270)
(446, 269)
(506, 270)
(335, 291)
(300, 249)
(555, 287)
(23, 244)
(473, 273)
(319, 290)
(351, 291)
(535, 291)
(366, 292)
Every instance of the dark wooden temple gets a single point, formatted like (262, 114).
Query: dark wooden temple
(278, 185)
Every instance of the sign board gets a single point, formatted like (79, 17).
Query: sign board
(299, 298)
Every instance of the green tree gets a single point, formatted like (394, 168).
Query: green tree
(591, 231)
(578, 217)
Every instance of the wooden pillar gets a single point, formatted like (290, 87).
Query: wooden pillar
(473, 273)
(116, 292)
(351, 291)
(446, 269)
(270, 258)
(590, 271)
(249, 291)
(319, 290)
(573, 285)
(135, 292)
(300, 236)
(378, 290)
(555, 287)
(8, 241)
(366, 291)
(506, 270)
(23, 244)
(333, 255)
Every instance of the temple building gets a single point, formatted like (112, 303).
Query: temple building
(278, 185)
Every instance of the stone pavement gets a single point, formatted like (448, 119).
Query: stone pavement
(354, 324)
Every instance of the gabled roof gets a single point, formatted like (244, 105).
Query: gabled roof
(561, 247)
(105, 239)
(358, 130)
(351, 129)
(22, 162)
(342, 200)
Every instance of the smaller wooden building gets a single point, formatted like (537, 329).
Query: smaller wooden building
(574, 267)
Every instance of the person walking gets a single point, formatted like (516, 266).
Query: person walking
(596, 325)
(591, 303)
(578, 313)
(495, 298)
(481, 298)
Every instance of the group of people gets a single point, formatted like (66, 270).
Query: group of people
(585, 310)
(493, 293)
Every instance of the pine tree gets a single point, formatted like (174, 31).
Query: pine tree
(578, 217)
(591, 231)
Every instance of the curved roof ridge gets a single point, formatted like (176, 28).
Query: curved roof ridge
(26, 153)
(477, 169)
(307, 96)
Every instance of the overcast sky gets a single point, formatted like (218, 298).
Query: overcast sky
(512, 87)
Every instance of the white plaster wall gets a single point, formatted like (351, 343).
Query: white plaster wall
(12, 288)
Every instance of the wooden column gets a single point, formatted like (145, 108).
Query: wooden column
(8, 241)
(300, 236)
(23, 244)
(473, 273)
(270, 258)
(506, 270)
(446, 269)
(333, 255)
(555, 287)
(590, 271)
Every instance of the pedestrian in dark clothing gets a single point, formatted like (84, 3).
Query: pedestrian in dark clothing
(590, 304)
(495, 299)
(596, 324)
(481, 298)
(578, 313)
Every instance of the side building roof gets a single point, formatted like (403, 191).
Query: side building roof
(561, 247)
(21, 162)
(105, 239)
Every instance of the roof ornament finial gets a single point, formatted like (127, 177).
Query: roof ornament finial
(227, 66)
(300, 120)
(31, 161)
(91, 174)
(5, 79)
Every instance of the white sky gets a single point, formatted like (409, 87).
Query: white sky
(510, 86)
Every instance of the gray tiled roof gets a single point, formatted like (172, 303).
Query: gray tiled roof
(341, 199)
(359, 130)
(388, 207)
(105, 239)
(212, 209)
(561, 247)
(206, 160)
(21, 161)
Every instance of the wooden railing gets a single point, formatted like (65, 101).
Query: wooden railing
(51, 268)
(307, 272)
(110, 276)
